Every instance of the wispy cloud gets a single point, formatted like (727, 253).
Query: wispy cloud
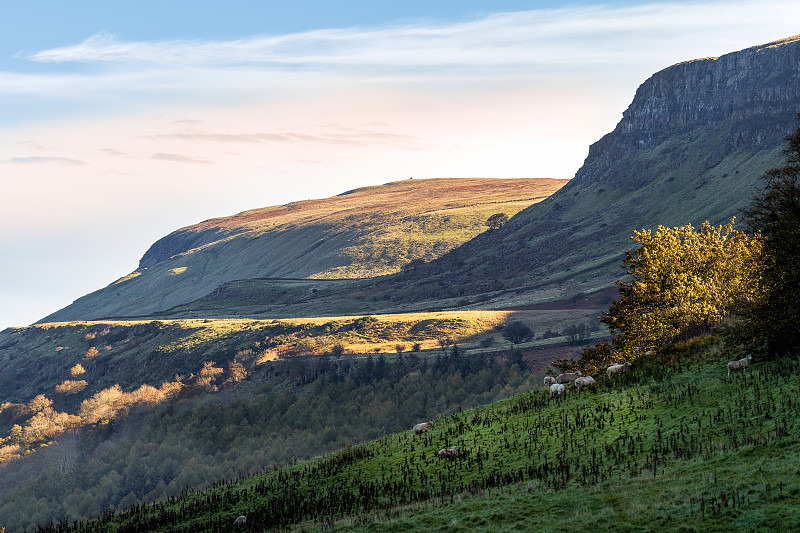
(499, 41)
(106, 74)
(39, 160)
(177, 158)
(114, 152)
(351, 138)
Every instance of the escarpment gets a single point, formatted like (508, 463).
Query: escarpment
(690, 147)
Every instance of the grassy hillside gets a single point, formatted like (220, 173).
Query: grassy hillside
(36, 359)
(124, 451)
(679, 448)
(573, 242)
(366, 232)
(82, 403)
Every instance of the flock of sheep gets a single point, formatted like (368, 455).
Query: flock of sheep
(558, 383)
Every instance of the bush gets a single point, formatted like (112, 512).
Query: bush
(517, 332)
(683, 283)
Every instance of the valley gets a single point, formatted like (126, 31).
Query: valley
(270, 364)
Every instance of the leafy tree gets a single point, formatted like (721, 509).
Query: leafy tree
(338, 349)
(576, 333)
(517, 332)
(69, 386)
(774, 317)
(515, 357)
(684, 282)
(444, 343)
(497, 220)
(208, 375)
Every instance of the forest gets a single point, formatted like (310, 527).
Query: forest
(287, 411)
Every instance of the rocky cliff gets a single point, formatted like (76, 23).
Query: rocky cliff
(745, 100)
(690, 147)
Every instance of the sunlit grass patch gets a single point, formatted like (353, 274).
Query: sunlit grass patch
(129, 277)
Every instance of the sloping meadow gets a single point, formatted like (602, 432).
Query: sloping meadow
(681, 447)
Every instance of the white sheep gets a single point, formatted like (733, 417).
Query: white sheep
(422, 428)
(549, 380)
(556, 389)
(448, 452)
(741, 363)
(584, 381)
(618, 368)
(568, 377)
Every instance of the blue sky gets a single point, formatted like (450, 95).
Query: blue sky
(123, 121)
(35, 24)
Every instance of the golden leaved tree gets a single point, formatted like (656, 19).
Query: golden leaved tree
(683, 283)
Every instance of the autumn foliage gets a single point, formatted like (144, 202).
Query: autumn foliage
(683, 282)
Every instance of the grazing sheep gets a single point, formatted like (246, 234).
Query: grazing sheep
(556, 389)
(584, 381)
(618, 368)
(240, 520)
(448, 452)
(741, 363)
(568, 377)
(422, 428)
(549, 380)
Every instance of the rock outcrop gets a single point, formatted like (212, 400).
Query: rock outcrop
(750, 98)
(691, 147)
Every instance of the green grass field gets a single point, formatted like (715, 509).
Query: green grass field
(679, 448)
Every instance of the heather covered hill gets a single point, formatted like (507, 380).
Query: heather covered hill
(366, 232)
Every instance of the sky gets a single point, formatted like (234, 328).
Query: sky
(121, 122)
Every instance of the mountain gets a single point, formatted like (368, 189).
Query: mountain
(690, 147)
(365, 232)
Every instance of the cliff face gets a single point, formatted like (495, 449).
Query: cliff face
(691, 147)
(748, 99)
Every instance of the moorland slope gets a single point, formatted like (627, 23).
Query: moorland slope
(366, 232)
(691, 147)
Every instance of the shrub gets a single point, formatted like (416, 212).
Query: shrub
(683, 283)
(71, 387)
(517, 332)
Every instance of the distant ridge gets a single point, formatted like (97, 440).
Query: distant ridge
(365, 232)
